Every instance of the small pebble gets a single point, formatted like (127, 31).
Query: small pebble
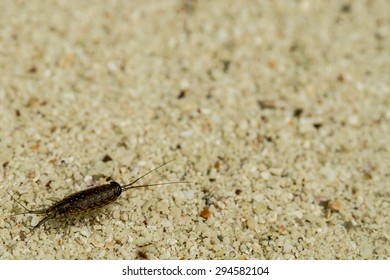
(205, 213)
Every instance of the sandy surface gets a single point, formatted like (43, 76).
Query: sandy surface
(277, 111)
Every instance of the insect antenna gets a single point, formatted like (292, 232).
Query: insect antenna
(130, 185)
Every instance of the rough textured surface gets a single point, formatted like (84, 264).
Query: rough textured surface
(279, 111)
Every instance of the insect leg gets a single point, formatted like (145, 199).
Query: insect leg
(41, 222)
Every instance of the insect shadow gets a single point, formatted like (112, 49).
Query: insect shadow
(85, 201)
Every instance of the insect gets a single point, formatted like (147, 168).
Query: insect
(90, 199)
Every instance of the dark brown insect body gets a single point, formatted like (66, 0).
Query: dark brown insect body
(90, 199)
(81, 202)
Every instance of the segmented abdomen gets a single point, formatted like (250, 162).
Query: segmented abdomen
(86, 200)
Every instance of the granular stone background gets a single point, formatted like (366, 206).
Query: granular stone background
(276, 112)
